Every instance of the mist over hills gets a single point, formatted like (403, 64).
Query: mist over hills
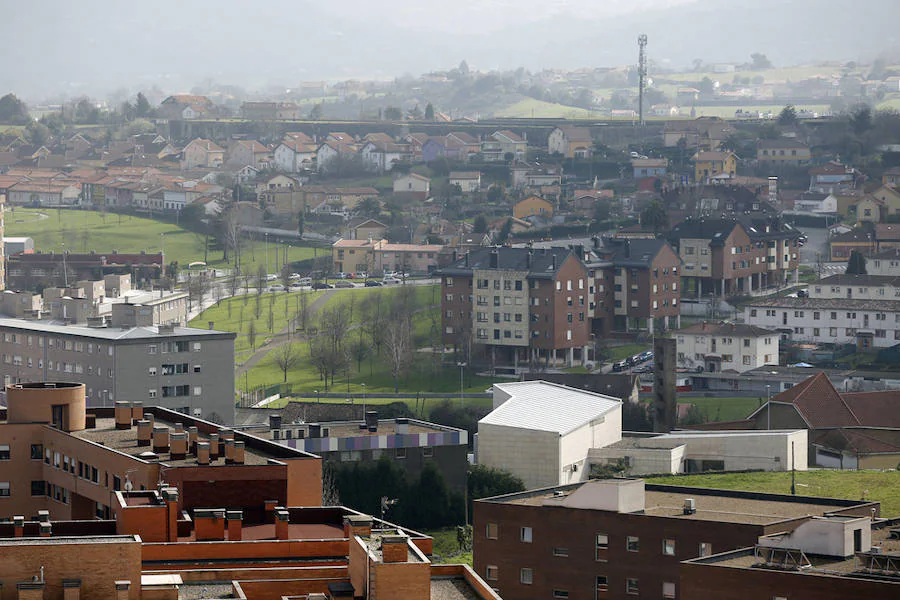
(95, 46)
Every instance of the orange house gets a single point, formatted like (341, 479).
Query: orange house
(533, 206)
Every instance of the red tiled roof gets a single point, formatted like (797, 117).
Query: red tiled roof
(819, 403)
(875, 409)
(860, 440)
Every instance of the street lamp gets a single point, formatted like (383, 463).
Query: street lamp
(461, 366)
(768, 408)
(317, 396)
(267, 255)
(364, 399)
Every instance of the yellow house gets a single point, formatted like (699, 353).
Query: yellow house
(869, 208)
(710, 164)
(890, 197)
(532, 206)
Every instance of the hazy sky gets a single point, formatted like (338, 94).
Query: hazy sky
(95, 46)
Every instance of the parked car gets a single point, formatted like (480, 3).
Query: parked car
(322, 286)
(276, 287)
(343, 284)
(391, 280)
(362, 275)
(341, 275)
(645, 356)
(296, 276)
(620, 366)
(373, 283)
(298, 286)
(305, 281)
(271, 277)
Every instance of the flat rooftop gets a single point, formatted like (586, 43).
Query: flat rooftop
(125, 441)
(385, 427)
(834, 565)
(63, 540)
(110, 333)
(723, 506)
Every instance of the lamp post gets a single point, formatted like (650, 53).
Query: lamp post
(364, 399)
(768, 408)
(267, 255)
(317, 396)
(461, 366)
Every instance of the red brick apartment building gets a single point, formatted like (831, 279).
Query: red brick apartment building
(517, 304)
(207, 515)
(622, 538)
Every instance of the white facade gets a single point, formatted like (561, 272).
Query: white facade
(830, 321)
(557, 142)
(884, 265)
(720, 348)
(467, 183)
(825, 205)
(542, 432)
(412, 184)
(865, 288)
(292, 161)
(325, 155)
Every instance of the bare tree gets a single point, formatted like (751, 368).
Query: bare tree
(330, 494)
(286, 357)
(261, 280)
(198, 287)
(229, 231)
(333, 326)
(301, 317)
(359, 350)
(398, 349)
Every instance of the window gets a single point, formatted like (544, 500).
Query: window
(631, 586)
(38, 488)
(151, 371)
(562, 552)
(4, 452)
(428, 452)
(401, 452)
(526, 576)
(491, 572)
(37, 451)
(492, 531)
(668, 589)
(525, 535)
(4, 489)
(632, 543)
(668, 547)
(705, 549)
(602, 583)
(560, 593)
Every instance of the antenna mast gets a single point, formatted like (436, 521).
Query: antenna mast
(642, 75)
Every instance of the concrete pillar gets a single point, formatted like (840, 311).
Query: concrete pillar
(678, 321)
(570, 356)
(796, 275)
(650, 324)
(749, 284)
(584, 355)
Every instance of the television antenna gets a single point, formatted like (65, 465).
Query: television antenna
(642, 75)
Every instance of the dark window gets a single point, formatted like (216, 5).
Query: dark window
(38, 488)
(4, 452)
(37, 451)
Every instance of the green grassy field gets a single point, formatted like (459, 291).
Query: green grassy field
(878, 486)
(723, 409)
(621, 352)
(85, 230)
(530, 107)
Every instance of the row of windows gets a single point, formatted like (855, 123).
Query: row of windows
(58, 366)
(58, 343)
(817, 315)
(174, 347)
(173, 369)
(727, 341)
(601, 583)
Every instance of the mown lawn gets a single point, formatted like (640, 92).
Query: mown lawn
(446, 548)
(878, 486)
(621, 352)
(86, 230)
(723, 409)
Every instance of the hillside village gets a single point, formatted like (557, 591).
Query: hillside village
(499, 330)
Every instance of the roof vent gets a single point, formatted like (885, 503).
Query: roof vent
(690, 507)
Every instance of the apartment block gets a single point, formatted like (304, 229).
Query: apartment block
(39, 270)
(725, 257)
(180, 368)
(517, 304)
(863, 310)
(624, 538)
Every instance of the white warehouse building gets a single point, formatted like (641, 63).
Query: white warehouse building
(542, 432)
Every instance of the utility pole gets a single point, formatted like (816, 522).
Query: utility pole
(642, 75)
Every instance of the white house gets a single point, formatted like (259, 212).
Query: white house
(726, 347)
(571, 142)
(380, 156)
(542, 432)
(468, 181)
(866, 287)
(413, 184)
(886, 262)
(816, 203)
(293, 156)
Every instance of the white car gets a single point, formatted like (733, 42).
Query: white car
(391, 280)
(276, 287)
(271, 277)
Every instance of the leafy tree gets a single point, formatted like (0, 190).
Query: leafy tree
(369, 207)
(464, 67)
(788, 115)
(635, 417)
(317, 112)
(655, 217)
(142, 106)
(37, 133)
(480, 224)
(602, 209)
(693, 416)
(505, 230)
(706, 86)
(760, 62)
(13, 110)
(393, 113)
(861, 119)
(415, 113)
(429, 112)
(495, 194)
(857, 264)
(251, 334)
(485, 482)
(301, 221)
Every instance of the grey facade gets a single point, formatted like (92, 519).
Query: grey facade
(183, 369)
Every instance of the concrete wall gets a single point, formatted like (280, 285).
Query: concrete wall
(532, 455)
(574, 446)
(741, 451)
(642, 461)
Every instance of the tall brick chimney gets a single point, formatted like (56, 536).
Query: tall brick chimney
(394, 549)
(122, 413)
(144, 432)
(282, 523)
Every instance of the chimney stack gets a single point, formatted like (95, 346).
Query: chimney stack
(229, 452)
(149, 417)
(144, 432)
(137, 411)
(528, 258)
(160, 439)
(402, 425)
(235, 520)
(360, 525)
(239, 452)
(122, 413)
(202, 453)
(193, 436)
(170, 496)
(18, 526)
(269, 507)
(209, 524)
(46, 529)
(372, 419)
(213, 447)
(494, 259)
(282, 523)
(394, 549)
(553, 261)
(179, 444)
(123, 587)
